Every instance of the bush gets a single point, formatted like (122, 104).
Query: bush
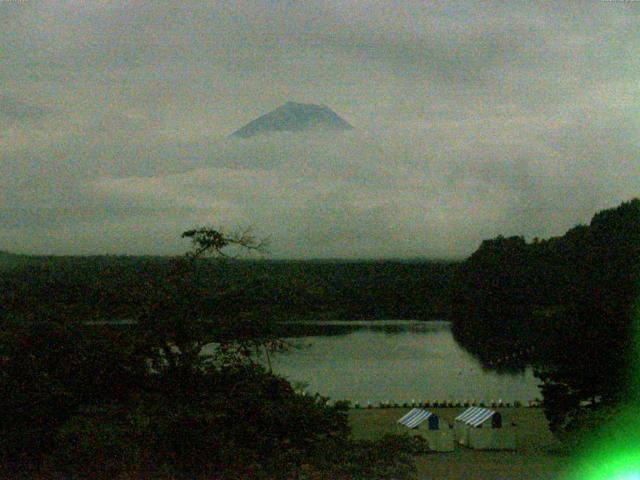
(98, 443)
(392, 457)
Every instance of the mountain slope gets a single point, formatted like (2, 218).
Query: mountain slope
(294, 117)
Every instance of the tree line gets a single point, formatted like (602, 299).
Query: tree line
(112, 287)
(565, 305)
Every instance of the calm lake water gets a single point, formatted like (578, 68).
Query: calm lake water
(396, 361)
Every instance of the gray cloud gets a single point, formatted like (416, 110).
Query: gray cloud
(472, 120)
(12, 110)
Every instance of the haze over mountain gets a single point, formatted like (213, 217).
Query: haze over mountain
(471, 120)
(294, 117)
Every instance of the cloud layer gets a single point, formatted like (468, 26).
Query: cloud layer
(472, 120)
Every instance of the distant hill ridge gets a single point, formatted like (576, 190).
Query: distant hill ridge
(294, 117)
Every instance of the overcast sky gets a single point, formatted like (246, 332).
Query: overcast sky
(472, 119)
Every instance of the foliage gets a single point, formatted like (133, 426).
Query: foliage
(107, 287)
(179, 394)
(365, 459)
(49, 370)
(264, 431)
(563, 305)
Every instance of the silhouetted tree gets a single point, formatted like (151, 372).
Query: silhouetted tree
(179, 394)
(563, 305)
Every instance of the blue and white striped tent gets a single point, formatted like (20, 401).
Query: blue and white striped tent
(418, 415)
(481, 428)
(476, 416)
(438, 439)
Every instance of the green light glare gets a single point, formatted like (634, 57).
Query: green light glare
(630, 476)
(613, 451)
(614, 456)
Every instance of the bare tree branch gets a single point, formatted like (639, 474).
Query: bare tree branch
(209, 240)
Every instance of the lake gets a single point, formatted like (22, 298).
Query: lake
(393, 360)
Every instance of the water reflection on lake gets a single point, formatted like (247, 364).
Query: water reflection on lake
(393, 360)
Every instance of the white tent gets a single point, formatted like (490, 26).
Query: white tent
(482, 429)
(437, 433)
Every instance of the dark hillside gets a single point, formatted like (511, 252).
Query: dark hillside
(111, 287)
(564, 305)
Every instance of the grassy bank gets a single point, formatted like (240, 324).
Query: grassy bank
(538, 455)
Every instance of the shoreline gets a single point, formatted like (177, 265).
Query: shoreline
(440, 404)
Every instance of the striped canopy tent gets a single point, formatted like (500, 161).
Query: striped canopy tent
(418, 415)
(476, 416)
(481, 428)
(438, 439)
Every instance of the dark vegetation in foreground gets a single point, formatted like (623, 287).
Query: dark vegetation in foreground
(92, 401)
